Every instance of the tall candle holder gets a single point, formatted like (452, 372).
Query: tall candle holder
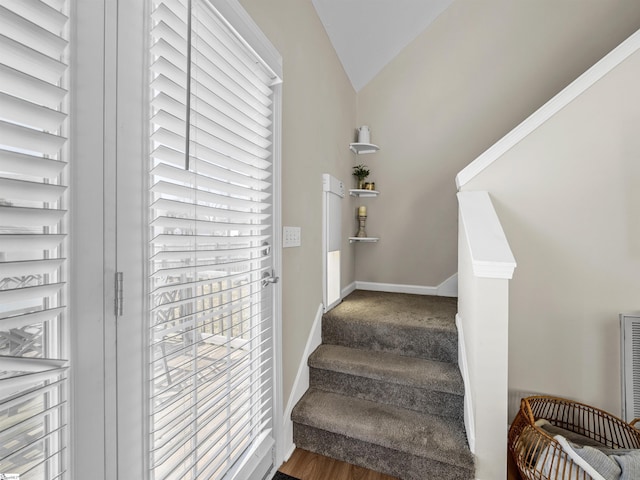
(361, 231)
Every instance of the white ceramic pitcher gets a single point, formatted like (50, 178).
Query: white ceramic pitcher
(364, 135)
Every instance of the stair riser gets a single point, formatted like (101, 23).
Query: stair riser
(392, 462)
(426, 343)
(412, 398)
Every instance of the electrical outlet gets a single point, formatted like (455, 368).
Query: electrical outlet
(291, 237)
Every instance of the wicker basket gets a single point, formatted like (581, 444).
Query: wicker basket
(540, 457)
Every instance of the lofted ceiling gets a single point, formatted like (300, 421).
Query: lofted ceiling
(368, 34)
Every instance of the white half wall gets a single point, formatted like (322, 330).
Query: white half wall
(301, 383)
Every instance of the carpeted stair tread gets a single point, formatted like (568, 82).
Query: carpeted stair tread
(434, 312)
(389, 367)
(410, 325)
(420, 435)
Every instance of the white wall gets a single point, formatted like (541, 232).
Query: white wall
(568, 197)
(480, 69)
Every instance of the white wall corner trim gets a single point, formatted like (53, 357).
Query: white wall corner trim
(469, 420)
(301, 383)
(448, 288)
(549, 109)
(491, 254)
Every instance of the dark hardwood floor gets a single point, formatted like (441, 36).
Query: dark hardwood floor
(311, 466)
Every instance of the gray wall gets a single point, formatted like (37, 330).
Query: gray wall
(479, 70)
(568, 197)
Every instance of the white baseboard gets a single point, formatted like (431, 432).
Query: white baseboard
(448, 288)
(348, 289)
(301, 383)
(469, 421)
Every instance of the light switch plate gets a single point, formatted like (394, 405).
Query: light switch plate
(291, 237)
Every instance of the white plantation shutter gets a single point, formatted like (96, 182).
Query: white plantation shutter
(211, 325)
(33, 390)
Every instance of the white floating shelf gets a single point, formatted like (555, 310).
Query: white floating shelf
(359, 192)
(363, 239)
(360, 148)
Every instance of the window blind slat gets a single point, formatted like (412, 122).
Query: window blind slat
(251, 132)
(175, 56)
(166, 103)
(168, 81)
(27, 395)
(212, 93)
(202, 195)
(182, 240)
(161, 287)
(53, 19)
(30, 34)
(28, 113)
(31, 88)
(217, 152)
(32, 62)
(24, 320)
(212, 151)
(217, 269)
(36, 365)
(169, 122)
(207, 83)
(176, 158)
(190, 225)
(169, 139)
(231, 134)
(30, 165)
(29, 293)
(30, 191)
(27, 268)
(12, 243)
(176, 7)
(164, 170)
(238, 271)
(29, 217)
(193, 210)
(12, 385)
(30, 140)
(174, 19)
(204, 253)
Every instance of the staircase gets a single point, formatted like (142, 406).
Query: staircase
(385, 390)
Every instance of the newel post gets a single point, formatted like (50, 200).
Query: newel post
(485, 267)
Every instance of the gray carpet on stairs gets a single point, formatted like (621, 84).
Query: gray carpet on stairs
(386, 393)
(395, 323)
